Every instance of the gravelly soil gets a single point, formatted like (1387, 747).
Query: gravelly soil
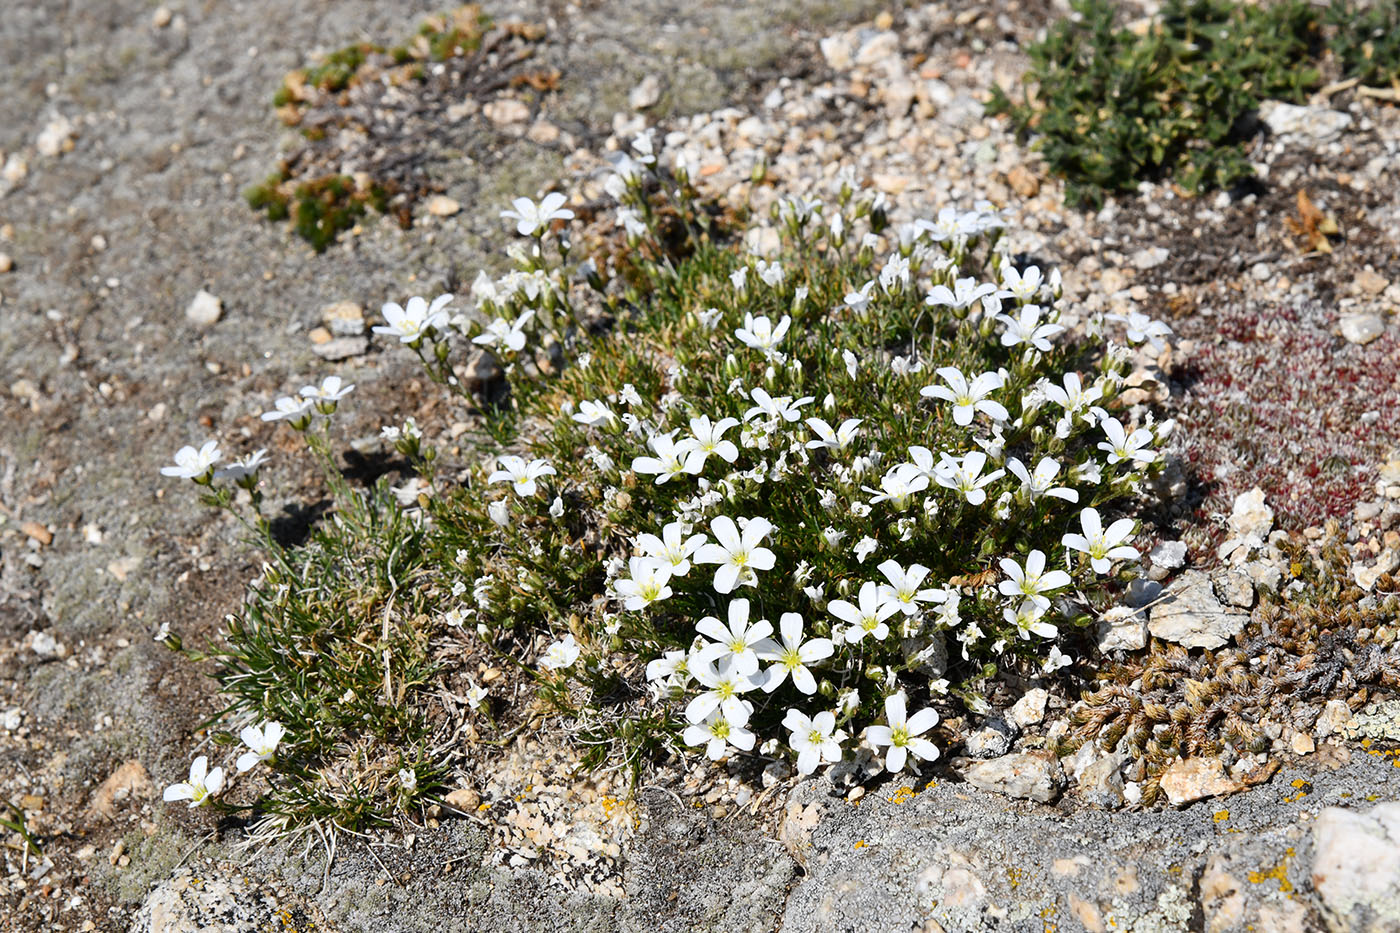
(103, 375)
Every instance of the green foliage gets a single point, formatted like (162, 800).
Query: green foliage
(330, 642)
(1366, 44)
(1116, 107)
(320, 209)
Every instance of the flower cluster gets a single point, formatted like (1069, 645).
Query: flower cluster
(206, 784)
(820, 486)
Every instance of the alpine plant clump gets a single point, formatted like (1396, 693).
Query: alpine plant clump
(794, 503)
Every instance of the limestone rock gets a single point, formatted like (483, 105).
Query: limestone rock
(1030, 709)
(1100, 784)
(1361, 327)
(1251, 515)
(1366, 577)
(1356, 867)
(992, 740)
(1319, 123)
(342, 348)
(205, 309)
(185, 904)
(129, 780)
(1196, 779)
(645, 94)
(1191, 615)
(1033, 776)
(344, 318)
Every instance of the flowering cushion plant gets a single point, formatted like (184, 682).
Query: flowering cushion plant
(794, 502)
(954, 509)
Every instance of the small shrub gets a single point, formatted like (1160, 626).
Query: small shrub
(1115, 107)
(799, 503)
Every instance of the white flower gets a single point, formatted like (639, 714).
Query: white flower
(671, 459)
(1055, 660)
(1026, 328)
(898, 485)
(774, 408)
(669, 665)
(672, 550)
(507, 334)
(903, 589)
(869, 617)
(864, 547)
(737, 554)
(415, 322)
(1124, 446)
(240, 470)
(499, 512)
(833, 440)
(296, 411)
(194, 464)
(720, 730)
(965, 475)
(963, 293)
(816, 740)
(859, 301)
(723, 685)
(708, 438)
(740, 643)
(331, 390)
(968, 399)
(1140, 327)
(531, 218)
(520, 473)
(648, 584)
(901, 733)
(709, 317)
(476, 694)
(895, 273)
(1022, 286)
(1033, 582)
(556, 508)
(852, 364)
(561, 654)
(408, 780)
(202, 786)
(792, 655)
(262, 743)
(951, 224)
(1073, 396)
(1103, 547)
(1041, 482)
(760, 334)
(594, 413)
(1028, 619)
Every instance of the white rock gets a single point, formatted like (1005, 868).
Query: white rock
(992, 740)
(205, 309)
(46, 646)
(1251, 515)
(1318, 123)
(1033, 776)
(506, 111)
(1191, 615)
(1100, 783)
(1169, 555)
(442, 206)
(6, 263)
(1030, 709)
(1356, 867)
(1150, 258)
(344, 318)
(14, 170)
(645, 94)
(837, 51)
(341, 348)
(1366, 577)
(877, 47)
(1361, 328)
(1196, 779)
(56, 137)
(1335, 719)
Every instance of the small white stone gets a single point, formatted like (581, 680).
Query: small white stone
(1361, 327)
(442, 206)
(205, 309)
(1151, 258)
(645, 94)
(1030, 709)
(1251, 515)
(506, 111)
